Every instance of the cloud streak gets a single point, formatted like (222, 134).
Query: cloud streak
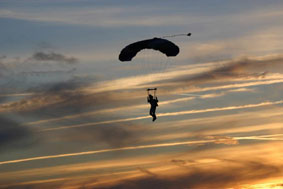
(204, 178)
(231, 70)
(99, 17)
(52, 56)
(168, 114)
(102, 151)
(214, 139)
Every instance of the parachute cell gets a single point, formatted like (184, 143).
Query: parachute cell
(163, 45)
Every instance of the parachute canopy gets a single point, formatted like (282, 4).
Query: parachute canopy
(163, 45)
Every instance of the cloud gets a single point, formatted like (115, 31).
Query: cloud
(179, 162)
(48, 96)
(2, 57)
(120, 148)
(146, 171)
(195, 169)
(61, 99)
(233, 69)
(99, 16)
(223, 139)
(234, 174)
(20, 74)
(275, 185)
(185, 112)
(124, 148)
(52, 56)
(14, 135)
(143, 15)
(255, 43)
(3, 67)
(231, 74)
(115, 136)
(65, 98)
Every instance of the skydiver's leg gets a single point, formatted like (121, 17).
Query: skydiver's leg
(150, 111)
(153, 117)
(153, 113)
(153, 109)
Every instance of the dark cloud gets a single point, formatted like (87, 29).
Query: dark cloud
(68, 98)
(71, 97)
(3, 57)
(222, 177)
(48, 96)
(179, 162)
(241, 68)
(146, 171)
(277, 185)
(13, 134)
(114, 135)
(228, 174)
(52, 56)
(20, 74)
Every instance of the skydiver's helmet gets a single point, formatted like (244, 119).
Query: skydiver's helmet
(150, 96)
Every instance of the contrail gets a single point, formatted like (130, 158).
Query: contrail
(166, 102)
(17, 94)
(168, 114)
(106, 111)
(220, 109)
(105, 150)
(188, 94)
(263, 137)
(97, 123)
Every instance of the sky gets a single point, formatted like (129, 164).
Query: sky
(73, 116)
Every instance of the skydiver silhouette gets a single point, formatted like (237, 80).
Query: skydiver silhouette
(153, 104)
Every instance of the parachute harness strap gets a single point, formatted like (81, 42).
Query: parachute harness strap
(154, 94)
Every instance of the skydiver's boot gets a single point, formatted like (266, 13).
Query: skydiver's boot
(153, 117)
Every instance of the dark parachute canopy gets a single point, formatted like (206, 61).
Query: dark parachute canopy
(163, 45)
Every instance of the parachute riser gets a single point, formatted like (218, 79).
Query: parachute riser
(152, 89)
